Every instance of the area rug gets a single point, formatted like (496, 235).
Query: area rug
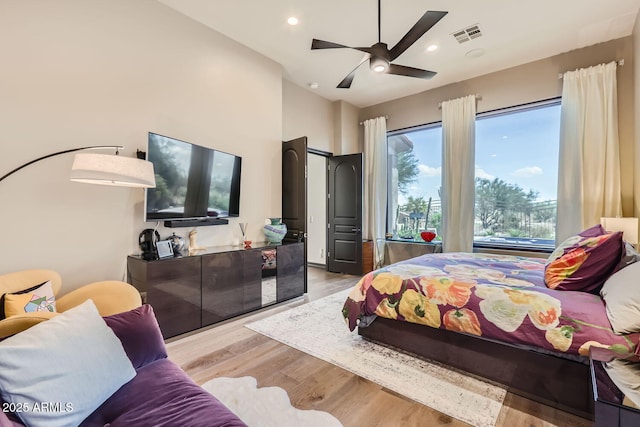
(317, 328)
(265, 406)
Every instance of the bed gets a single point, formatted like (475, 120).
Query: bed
(492, 316)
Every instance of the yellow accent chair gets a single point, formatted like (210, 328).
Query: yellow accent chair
(110, 297)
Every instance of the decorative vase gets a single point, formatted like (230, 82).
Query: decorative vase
(177, 244)
(275, 231)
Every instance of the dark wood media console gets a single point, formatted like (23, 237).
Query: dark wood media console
(191, 292)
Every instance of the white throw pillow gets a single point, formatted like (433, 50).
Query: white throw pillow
(58, 372)
(621, 294)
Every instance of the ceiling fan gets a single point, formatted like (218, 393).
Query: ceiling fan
(380, 56)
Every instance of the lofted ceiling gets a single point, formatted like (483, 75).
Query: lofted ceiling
(513, 33)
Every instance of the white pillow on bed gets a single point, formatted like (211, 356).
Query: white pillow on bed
(621, 294)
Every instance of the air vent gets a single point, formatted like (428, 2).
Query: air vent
(466, 34)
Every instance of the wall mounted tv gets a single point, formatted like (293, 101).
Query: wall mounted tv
(193, 183)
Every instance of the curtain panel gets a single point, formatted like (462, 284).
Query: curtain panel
(458, 178)
(589, 158)
(375, 185)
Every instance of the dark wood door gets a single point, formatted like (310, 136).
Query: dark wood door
(294, 193)
(345, 214)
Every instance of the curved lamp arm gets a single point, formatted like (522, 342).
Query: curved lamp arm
(71, 150)
(103, 169)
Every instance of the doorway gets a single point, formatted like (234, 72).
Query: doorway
(317, 209)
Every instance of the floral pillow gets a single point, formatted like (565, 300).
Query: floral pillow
(584, 261)
(38, 298)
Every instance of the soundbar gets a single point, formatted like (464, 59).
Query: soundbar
(177, 223)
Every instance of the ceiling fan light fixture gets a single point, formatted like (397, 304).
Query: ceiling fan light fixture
(379, 65)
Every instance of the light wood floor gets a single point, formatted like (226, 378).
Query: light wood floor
(232, 350)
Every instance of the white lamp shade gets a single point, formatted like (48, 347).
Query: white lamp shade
(628, 226)
(107, 169)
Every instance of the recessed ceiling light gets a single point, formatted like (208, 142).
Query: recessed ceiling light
(313, 85)
(292, 20)
(432, 48)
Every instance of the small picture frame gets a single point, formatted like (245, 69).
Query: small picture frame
(165, 250)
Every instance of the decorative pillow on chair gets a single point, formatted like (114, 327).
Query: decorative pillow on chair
(37, 298)
(583, 262)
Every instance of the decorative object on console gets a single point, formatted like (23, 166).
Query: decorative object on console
(275, 231)
(243, 229)
(104, 169)
(193, 244)
(177, 243)
(147, 240)
(165, 250)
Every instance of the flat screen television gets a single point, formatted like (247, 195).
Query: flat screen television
(192, 182)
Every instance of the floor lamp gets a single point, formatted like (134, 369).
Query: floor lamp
(104, 169)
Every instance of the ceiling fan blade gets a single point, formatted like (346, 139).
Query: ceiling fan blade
(346, 82)
(401, 70)
(321, 44)
(428, 20)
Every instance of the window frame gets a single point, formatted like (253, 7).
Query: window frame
(389, 235)
(556, 101)
(479, 116)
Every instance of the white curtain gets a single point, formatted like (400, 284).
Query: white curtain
(375, 185)
(589, 160)
(458, 179)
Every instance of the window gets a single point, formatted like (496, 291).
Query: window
(517, 176)
(414, 182)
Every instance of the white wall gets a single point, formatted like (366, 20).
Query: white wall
(345, 128)
(317, 210)
(306, 114)
(85, 72)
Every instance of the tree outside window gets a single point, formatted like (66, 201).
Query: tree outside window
(414, 162)
(517, 176)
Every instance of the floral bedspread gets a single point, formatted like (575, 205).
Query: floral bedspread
(494, 296)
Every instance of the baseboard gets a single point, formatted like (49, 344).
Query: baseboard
(317, 265)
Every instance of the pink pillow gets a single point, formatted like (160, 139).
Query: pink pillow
(584, 261)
